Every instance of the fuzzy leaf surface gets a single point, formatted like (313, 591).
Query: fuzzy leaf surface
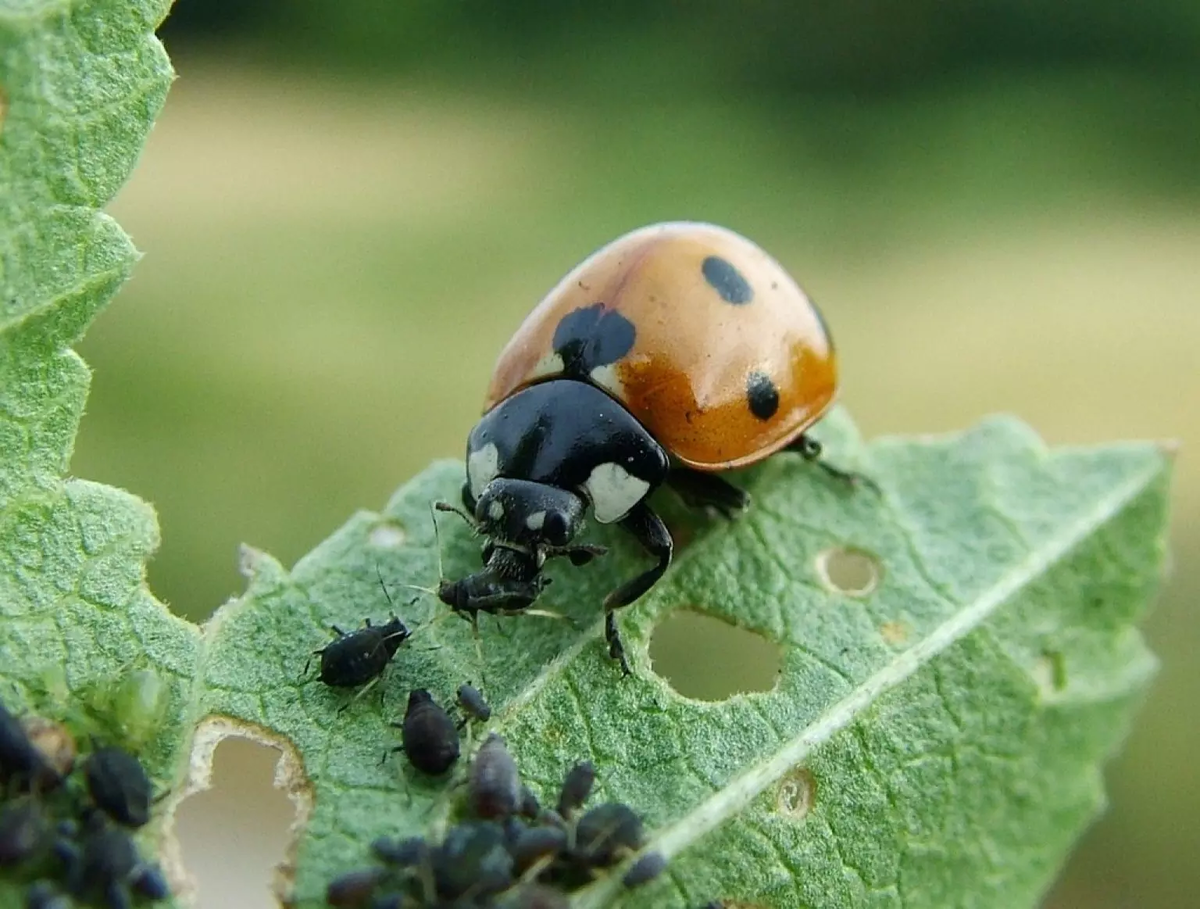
(935, 741)
(80, 85)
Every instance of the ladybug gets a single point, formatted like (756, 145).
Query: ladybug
(677, 351)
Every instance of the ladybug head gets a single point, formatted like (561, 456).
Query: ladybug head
(529, 514)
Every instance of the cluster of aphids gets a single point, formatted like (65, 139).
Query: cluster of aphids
(510, 851)
(66, 821)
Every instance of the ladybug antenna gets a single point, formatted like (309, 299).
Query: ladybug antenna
(454, 509)
(383, 587)
(437, 539)
(437, 545)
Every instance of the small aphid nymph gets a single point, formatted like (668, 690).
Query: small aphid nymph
(645, 869)
(576, 788)
(494, 786)
(119, 786)
(606, 833)
(429, 737)
(472, 703)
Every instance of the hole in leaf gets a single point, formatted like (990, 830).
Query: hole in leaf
(387, 535)
(710, 660)
(235, 834)
(894, 633)
(797, 793)
(850, 571)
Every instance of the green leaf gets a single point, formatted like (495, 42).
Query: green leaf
(934, 741)
(935, 738)
(82, 638)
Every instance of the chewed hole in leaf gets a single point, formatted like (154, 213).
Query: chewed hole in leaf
(387, 535)
(894, 633)
(796, 795)
(850, 571)
(234, 835)
(708, 659)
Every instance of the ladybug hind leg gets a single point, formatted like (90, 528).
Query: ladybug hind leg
(649, 530)
(700, 489)
(810, 449)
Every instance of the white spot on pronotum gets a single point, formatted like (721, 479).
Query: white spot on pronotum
(483, 466)
(387, 535)
(849, 571)
(796, 794)
(613, 491)
(495, 509)
(606, 377)
(536, 520)
(549, 365)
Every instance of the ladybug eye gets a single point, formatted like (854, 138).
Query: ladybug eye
(555, 529)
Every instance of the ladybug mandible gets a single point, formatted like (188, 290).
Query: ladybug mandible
(677, 351)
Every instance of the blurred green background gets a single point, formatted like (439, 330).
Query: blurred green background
(348, 207)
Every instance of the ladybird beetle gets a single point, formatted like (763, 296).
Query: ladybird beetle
(677, 351)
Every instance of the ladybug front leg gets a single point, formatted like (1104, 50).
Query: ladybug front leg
(468, 500)
(652, 533)
(700, 489)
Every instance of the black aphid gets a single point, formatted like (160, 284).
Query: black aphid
(471, 701)
(20, 760)
(406, 853)
(645, 869)
(606, 832)
(354, 659)
(44, 895)
(104, 863)
(428, 736)
(354, 888)
(119, 786)
(494, 786)
(24, 830)
(150, 882)
(576, 788)
(536, 843)
(529, 804)
(473, 860)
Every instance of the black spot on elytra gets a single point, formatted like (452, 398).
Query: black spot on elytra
(727, 280)
(762, 395)
(592, 336)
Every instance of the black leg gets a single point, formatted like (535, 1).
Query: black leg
(579, 555)
(652, 533)
(810, 449)
(468, 500)
(700, 489)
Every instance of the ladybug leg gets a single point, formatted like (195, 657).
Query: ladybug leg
(468, 500)
(579, 555)
(810, 449)
(700, 489)
(652, 533)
